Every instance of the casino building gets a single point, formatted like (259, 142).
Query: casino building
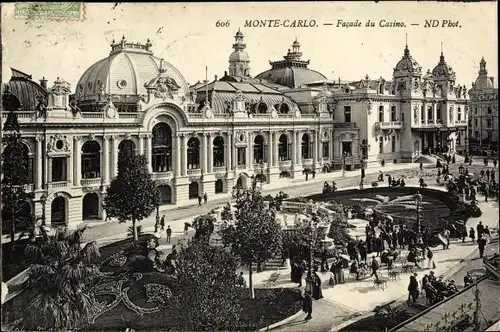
(211, 136)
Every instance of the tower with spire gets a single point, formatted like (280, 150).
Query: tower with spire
(239, 60)
(407, 74)
(444, 75)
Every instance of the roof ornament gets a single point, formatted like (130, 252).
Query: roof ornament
(162, 66)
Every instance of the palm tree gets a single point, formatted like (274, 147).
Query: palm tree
(59, 279)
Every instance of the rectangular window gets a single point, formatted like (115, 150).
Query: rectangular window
(402, 117)
(393, 113)
(59, 169)
(459, 114)
(475, 110)
(476, 134)
(438, 114)
(242, 156)
(475, 122)
(489, 110)
(393, 142)
(347, 149)
(430, 113)
(381, 145)
(422, 112)
(347, 114)
(381, 114)
(326, 149)
(488, 123)
(490, 136)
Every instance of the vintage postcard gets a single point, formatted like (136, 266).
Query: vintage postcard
(249, 166)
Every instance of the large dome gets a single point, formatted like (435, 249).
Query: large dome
(125, 71)
(25, 90)
(443, 70)
(407, 65)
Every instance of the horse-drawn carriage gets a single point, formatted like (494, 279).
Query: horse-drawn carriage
(327, 188)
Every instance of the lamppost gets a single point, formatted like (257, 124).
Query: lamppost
(261, 179)
(343, 164)
(418, 202)
(43, 201)
(157, 223)
(312, 227)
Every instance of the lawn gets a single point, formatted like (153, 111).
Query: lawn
(132, 294)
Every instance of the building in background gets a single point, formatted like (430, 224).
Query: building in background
(483, 117)
(281, 124)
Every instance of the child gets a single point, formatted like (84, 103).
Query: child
(472, 234)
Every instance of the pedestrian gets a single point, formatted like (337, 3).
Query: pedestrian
(481, 243)
(492, 176)
(481, 173)
(205, 197)
(362, 251)
(430, 256)
(487, 233)
(169, 233)
(472, 234)
(314, 174)
(468, 280)
(199, 200)
(480, 230)
(307, 305)
(486, 192)
(494, 163)
(241, 281)
(389, 179)
(375, 267)
(162, 222)
(446, 235)
(186, 227)
(488, 174)
(421, 166)
(107, 217)
(413, 291)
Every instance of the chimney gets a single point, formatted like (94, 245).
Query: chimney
(215, 77)
(492, 80)
(43, 83)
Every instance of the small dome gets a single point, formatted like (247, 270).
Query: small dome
(443, 69)
(239, 56)
(25, 90)
(483, 81)
(407, 64)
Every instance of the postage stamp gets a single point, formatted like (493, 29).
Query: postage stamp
(50, 10)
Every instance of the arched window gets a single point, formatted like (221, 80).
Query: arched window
(219, 186)
(283, 148)
(306, 147)
(90, 206)
(162, 148)
(166, 194)
(91, 160)
(193, 153)
(258, 149)
(127, 145)
(194, 190)
(261, 108)
(284, 109)
(218, 152)
(58, 211)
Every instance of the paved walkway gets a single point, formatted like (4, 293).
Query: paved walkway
(360, 297)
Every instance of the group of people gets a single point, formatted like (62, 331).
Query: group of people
(203, 199)
(391, 181)
(435, 288)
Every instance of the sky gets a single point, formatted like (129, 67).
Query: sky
(187, 36)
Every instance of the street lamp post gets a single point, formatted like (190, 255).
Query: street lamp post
(261, 164)
(343, 165)
(312, 228)
(418, 202)
(157, 223)
(43, 201)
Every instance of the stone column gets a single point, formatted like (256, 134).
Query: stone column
(270, 150)
(230, 154)
(105, 159)
(424, 115)
(316, 147)
(434, 109)
(294, 148)
(210, 152)
(149, 149)
(114, 156)
(298, 145)
(250, 151)
(184, 155)
(49, 169)
(178, 156)
(203, 156)
(77, 156)
(276, 148)
(140, 140)
(38, 162)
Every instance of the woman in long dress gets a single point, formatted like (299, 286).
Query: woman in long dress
(340, 272)
(317, 292)
(333, 270)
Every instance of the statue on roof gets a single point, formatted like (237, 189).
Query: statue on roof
(41, 106)
(61, 87)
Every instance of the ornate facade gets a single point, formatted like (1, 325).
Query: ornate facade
(212, 136)
(483, 119)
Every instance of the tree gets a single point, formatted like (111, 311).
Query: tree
(208, 296)
(15, 172)
(339, 225)
(132, 195)
(255, 235)
(204, 226)
(61, 273)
